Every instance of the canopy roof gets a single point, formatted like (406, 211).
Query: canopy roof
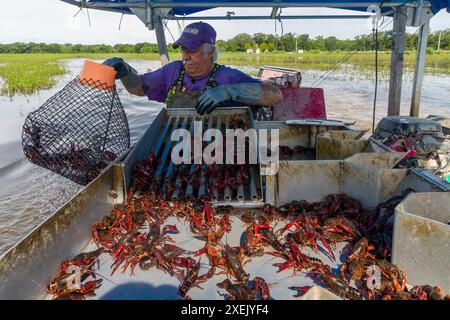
(186, 7)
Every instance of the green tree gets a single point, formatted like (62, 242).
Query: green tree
(248, 45)
(271, 46)
(288, 42)
(259, 38)
(222, 45)
(303, 42)
(263, 46)
(331, 43)
(238, 42)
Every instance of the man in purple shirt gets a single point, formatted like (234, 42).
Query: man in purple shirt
(197, 73)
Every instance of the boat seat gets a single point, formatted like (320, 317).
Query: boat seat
(300, 103)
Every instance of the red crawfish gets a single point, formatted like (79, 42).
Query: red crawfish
(234, 264)
(266, 233)
(241, 291)
(250, 243)
(82, 260)
(296, 259)
(260, 286)
(236, 291)
(192, 279)
(301, 291)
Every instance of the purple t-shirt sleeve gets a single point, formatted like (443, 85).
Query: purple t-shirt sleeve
(156, 83)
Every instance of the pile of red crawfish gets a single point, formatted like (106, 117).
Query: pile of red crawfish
(136, 235)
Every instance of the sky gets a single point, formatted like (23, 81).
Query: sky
(53, 21)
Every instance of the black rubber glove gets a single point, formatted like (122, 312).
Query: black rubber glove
(122, 68)
(129, 76)
(246, 93)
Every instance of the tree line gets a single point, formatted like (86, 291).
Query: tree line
(31, 47)
(288, 42)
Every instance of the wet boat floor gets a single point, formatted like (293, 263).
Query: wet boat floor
(159, 285)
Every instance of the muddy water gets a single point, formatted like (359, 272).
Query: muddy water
(29, 194)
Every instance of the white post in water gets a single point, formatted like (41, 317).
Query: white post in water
(397, 50)
(420, 69)
(439, 41)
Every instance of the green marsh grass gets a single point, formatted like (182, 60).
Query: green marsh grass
(29, 77)
(29, 73)
(362, 61)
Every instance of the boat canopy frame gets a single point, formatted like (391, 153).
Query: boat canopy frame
(415, 13)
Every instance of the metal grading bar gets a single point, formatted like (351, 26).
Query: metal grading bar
(215, 192)
(227, 192)
(190, 187)
(169, 171)
(253, 190)
(179, 181)
(167, 149)
(202, 188)
(240, 190)
(157, 146)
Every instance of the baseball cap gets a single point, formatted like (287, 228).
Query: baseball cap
(196, 34)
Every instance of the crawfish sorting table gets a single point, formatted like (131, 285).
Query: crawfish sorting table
(224, 181)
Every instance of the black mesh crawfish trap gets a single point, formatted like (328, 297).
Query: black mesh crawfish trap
(78, 131)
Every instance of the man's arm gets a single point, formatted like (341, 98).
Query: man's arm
(270, 95)
(136, 90)
(131, 79)
(133, 83)
(251, 94)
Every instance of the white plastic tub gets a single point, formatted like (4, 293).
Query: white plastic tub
(421, 242)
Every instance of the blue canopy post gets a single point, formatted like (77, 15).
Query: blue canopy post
(143, 9)
(397, 50)
(161, 39)
(422, 20)
(420, 68)
(152, 18)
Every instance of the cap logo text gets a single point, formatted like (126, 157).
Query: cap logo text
(191, 30)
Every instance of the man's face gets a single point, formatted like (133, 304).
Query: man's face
(197, 63)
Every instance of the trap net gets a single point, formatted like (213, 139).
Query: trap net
(78, 131)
